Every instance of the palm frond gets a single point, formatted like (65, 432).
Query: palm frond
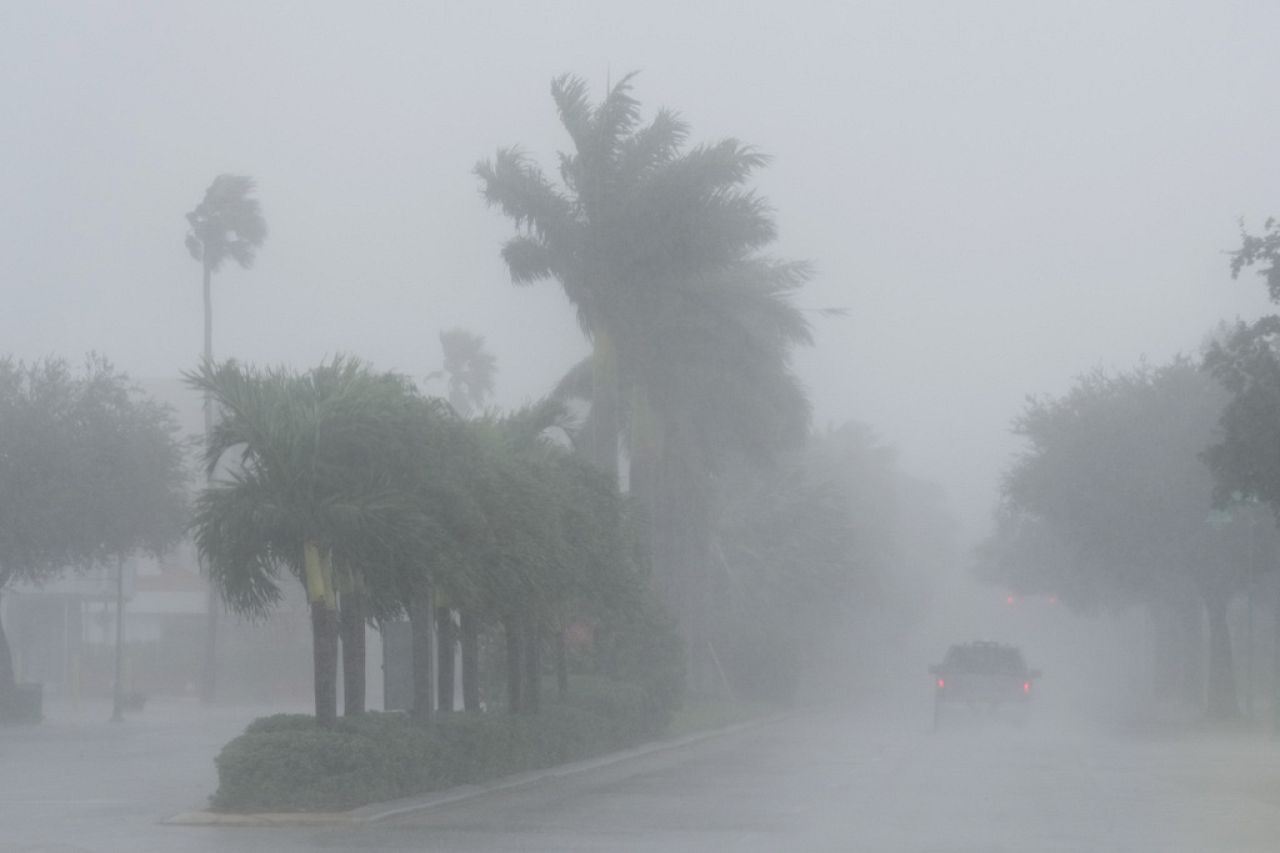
(570, 94)
(528, 259)
(228, 223)
(652, 146)
(514, 183)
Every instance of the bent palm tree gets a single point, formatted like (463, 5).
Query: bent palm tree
(227, 223)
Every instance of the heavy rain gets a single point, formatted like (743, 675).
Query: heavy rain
(664, 426)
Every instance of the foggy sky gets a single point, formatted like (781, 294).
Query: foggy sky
(1003, 195)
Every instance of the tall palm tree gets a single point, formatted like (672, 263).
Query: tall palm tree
(468, 371)
(313, 487)
(657, 247)
(637, 214)
(227, 223)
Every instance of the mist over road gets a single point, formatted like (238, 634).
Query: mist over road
(834, 781)
(828, 779)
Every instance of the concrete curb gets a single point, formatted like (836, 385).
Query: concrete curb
(375, 812)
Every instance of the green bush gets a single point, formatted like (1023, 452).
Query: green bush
(631, 714)
(285, 762)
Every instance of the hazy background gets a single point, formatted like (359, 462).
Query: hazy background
(1003, 195)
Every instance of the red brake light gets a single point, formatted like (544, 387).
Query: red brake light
(1008, 599)
(1026, 687)
(941, 683)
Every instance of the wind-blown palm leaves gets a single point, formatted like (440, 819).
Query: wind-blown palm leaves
(314, 487)
(657, 247)
(227, 223)
(654, 246)
(364, 491)
(468, 370)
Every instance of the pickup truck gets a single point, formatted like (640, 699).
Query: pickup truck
(983, 675)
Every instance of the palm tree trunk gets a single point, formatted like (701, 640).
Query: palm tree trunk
(8, 683)
(562, 665)
(352, 614)
(323, 598)
(209, 681)
(446, 644)
(511, 628)
(324, 648)
(1222, 704)
(605, 424)
(532, 665)
(420, 628)
(470, 640)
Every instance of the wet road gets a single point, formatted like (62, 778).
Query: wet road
(816, 781)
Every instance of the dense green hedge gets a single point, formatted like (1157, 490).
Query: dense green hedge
(286, 763)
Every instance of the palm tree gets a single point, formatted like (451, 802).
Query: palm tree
(227, 223)
(314, 487)
(691, 329)
(637, 215)
(468, 371)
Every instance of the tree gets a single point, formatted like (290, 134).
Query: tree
(468, 371)
(655, 246)
(227, 223)
(1114, 473)
(90, 472)
(315, 486)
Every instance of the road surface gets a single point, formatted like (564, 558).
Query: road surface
(819, 780)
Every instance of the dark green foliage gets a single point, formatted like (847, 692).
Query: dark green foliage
(287, 762)
(631, 713)
(1246, 462)
(641, 645)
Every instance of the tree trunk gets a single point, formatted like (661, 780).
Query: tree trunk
(511, 628)
(1222, 703)
(324, 652)
(352, 614)
(532, 665)
(446, 645)
(470, 631)
(562, 665)
(209, 679)
(8, 684)
(420, 628)
(603, 434)
(1275, 656)
(117, 691)
(1192, 635)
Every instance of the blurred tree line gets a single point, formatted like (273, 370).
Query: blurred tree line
(1158, 486)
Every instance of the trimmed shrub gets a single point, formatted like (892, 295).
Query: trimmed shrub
(285, 762)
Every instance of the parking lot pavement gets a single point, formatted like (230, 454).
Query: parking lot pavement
(77, 781)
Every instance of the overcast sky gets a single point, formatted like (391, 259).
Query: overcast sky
(1003, 195)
